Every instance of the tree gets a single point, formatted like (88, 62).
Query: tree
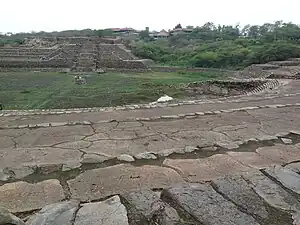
(144, 34)
(178, 26)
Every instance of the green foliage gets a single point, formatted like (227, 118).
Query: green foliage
(56, 90)
(224, 46)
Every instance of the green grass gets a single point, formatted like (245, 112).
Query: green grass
(31, 90)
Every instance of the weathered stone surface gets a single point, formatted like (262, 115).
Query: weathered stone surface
(74, 145)
(23, 197)
(281, 153)
(286, 177)
(49, 168)
(207, 168)
(294, 167)
(94, 158)
(206, 205)
(71, 165)
(99, 183)
(126, 158)
(146, 155)
(6, 218)
(239, 192)
(145, 206)
(252, 159)
(109, 212)
(287, 140)
(4, 175)
(59, 213)
(53, 135)
(16, 172)
(271, 192)
(37, 157)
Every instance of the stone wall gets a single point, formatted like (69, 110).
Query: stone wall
(122, 64)
(222, 87)
(277, 69)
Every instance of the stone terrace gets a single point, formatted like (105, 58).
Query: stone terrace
(289, 69)
(79, 54)
(226, 161)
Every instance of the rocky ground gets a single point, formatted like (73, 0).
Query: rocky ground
(228, 161)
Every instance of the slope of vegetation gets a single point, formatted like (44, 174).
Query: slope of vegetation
(56, 90)
(223, 46)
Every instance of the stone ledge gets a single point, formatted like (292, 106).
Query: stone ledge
(131, 107)
(165, 117)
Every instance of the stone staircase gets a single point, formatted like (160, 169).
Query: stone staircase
(268, 85)
(87, 59)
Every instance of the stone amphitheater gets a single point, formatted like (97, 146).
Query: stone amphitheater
(230, 160)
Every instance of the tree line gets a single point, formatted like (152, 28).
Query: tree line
(223, 46)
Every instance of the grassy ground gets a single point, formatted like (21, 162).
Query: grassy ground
(30, 90)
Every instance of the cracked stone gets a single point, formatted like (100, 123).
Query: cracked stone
(16, 172)
(209, 148)
(58, 124)
(286, 177)
(252, 159)
(240, 193)
(49, 168)
(4, 176)
(23, 197)
(228, 145)
(53, 135)
(37, 157)
(189, 149)
(145, 206)
(94, 158)
(74, 145)
(266, 138)
(125, 158)
(167, 152)
(294, 167)
(287, 141)
(99, 183)
(206, 205)
(170, 117)
(6, 218)
(59, 213)
(71, 165)
(280, 153)
(146, 155)
(206, 169)
(109, 212)
(271, 192)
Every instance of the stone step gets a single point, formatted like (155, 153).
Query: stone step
(202, 202)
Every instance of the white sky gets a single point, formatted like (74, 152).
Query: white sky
(56, 15)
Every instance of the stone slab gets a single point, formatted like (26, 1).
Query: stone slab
(6, 218)
(238, 191)
(22, 196)
(103, 182)
(37, 157)
(252, 159)
(286, 177)
(294, 167)
(207, 168)
(271, 192)
(109, 212)
(281, 153)
(145, 205)
(58, 213)
(206, 205)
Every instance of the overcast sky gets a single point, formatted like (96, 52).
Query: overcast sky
(56, 15)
